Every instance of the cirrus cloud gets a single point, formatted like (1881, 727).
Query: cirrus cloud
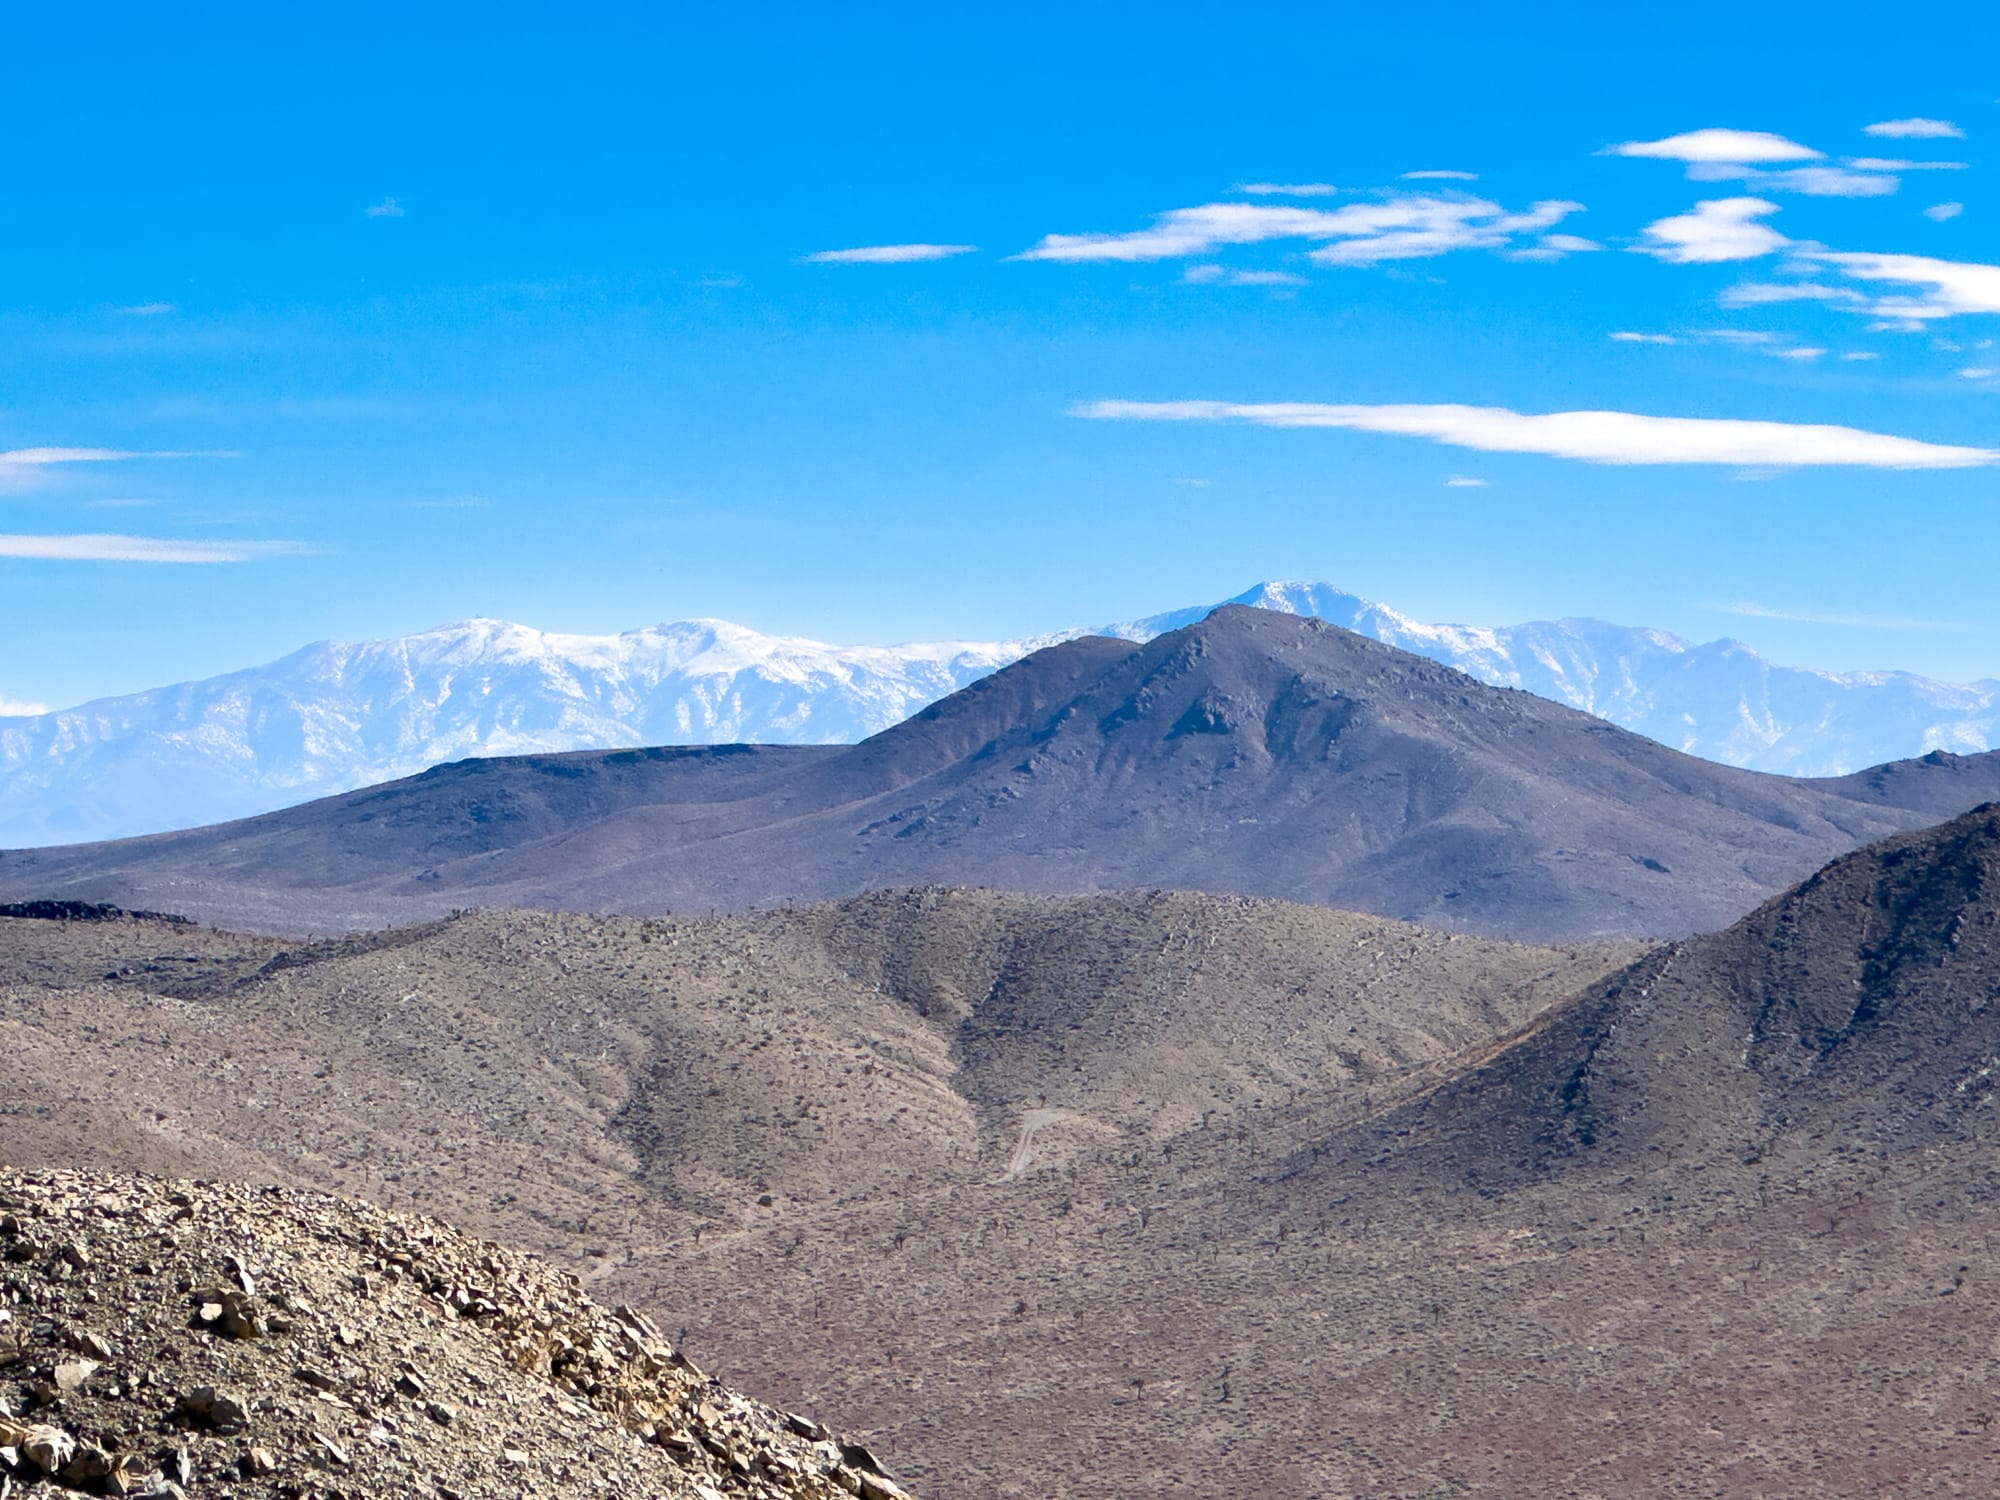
(1813, 182)
(1764, 293)
(1757, 611)
(1598, 437)
(1900, 164)
(886, 255)
(1948, 288)
(1210, 274)
(42, 457)
(1403, 226)
(22, 468)
(1289, 189)
(1915, 128)
(112, 547)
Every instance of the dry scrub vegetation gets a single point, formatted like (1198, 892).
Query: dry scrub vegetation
(872, 1157)
(1143, 1194)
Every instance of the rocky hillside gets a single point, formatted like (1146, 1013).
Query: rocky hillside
(1179, 1193)
(171, 1339)
(1857, 1015)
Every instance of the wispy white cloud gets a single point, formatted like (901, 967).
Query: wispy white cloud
(1829, 617)
(146, 309)
(13, 708)
(1210, 274)
(1440, 174)
(1900, 164)
(1554, 247)
(1855, 356)
(1400, 227)
(1761, 293)
(1738, 147)
(1599, 437)
(388, 208)
(1760, 341)
(117, 504)
(1720, 229)
(21, 467)
(42, 457)
(1937, 213)
(1915, 128)
(109, 547)
(1814, 182)
(1464, 482)
(887, 255)
(1948, 288)
(1289, 189)
(1978, 372)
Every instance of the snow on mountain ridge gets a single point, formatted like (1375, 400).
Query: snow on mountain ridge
(335, 715)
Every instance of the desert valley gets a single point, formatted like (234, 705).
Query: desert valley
(1107, 1186)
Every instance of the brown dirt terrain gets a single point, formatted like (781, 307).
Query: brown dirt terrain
(820, 1102)
(1150, 1194)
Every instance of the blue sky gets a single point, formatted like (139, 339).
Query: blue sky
(527, 311)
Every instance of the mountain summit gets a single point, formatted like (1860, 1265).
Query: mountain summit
(1251, 752)
(333, 717)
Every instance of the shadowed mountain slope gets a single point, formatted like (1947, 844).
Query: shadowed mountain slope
(1250, 752)
(1857, 1015)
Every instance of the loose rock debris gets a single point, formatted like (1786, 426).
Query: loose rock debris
(181, 1339)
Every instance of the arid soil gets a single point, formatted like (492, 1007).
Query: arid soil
(172, 1338)
(1251, 752)
(906, 1120)
(1151, 1194)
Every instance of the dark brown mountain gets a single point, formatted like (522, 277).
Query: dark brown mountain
(1252, 752)
(1855, 1017)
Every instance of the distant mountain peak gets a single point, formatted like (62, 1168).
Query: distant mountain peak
(1250, 752)
(337, 715)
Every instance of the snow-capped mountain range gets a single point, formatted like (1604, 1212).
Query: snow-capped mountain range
(332, 717)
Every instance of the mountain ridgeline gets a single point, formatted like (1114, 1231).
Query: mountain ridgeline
(335, 716)
(1250, 752)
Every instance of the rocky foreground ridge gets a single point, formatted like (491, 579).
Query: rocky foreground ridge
(179, 1339)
